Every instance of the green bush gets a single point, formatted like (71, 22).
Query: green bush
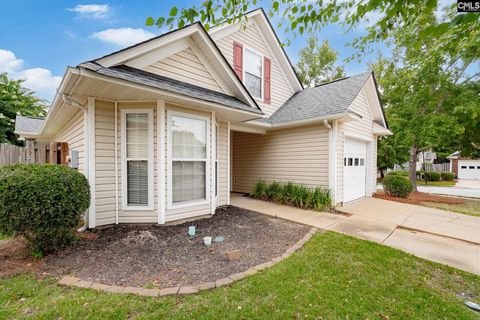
(397, 186)
(447, 176)
(294, 194)
(260, 191)
(42, 203)
(398, 173)
(432, 176)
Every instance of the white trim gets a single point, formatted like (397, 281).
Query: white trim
(125, 206)
(91, 160)
(159, 54)
(332, 159)
(161, 160)
(207, 199)
(228, 162)
(213, 158)
(244, 67)
(116, 162)
(357, 137)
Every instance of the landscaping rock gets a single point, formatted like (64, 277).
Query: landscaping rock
(234, 255)
(68, 280)
(187, 290)
(149, 292)
(83, 284)
(206, 286)
(223, 282)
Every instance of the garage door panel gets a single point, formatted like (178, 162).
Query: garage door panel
(354, 170)
(469, 169)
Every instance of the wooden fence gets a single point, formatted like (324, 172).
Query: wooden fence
(34, 152)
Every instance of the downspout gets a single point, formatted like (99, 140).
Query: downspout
(332, 176)
(77, 105)
(116, 164)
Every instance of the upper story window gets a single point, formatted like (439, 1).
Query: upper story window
(253, 73)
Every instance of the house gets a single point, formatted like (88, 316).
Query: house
(463, 167)
(166, 129)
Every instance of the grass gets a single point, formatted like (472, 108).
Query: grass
(469, 206)
(437, 183)
(3, 237)
(333, 277)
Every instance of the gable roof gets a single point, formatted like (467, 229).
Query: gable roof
(323, 100)
(168, 84)
(260, 17)
(27, 125)
(129, 56)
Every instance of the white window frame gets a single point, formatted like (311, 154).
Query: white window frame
(185, 204)
(262, 80)
(125, 206)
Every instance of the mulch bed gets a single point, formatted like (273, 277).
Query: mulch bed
(165, 256)
(419, 198)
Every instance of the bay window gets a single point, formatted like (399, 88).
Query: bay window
(253, 73)
(188, 160)
(137, 159)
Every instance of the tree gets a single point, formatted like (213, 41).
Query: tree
(390, 153)
(16, 99)
(456, 34)
(317, 64)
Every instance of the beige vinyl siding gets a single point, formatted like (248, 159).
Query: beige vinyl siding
(361, 128)
(251, 37)
(222, 156)
(73, 134)
(185, 66)
(299, 155)
(104, 163)
(339, 159)
(172, 213)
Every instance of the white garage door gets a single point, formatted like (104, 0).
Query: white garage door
(354, 170)
(469, 169)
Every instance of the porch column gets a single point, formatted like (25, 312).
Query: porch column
(212, 162)
(228, 163)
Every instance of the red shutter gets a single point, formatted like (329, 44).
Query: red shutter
(238, 59)
(266, 80)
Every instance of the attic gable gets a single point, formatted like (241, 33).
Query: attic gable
(159, 54)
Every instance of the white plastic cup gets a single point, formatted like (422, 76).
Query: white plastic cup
(207, 241)
(191, 231)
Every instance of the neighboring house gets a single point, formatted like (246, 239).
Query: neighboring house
(425, 158)
(464, 168)
(167, 128)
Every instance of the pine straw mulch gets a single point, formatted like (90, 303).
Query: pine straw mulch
(419, 198)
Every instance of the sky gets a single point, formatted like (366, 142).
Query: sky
(39, 39)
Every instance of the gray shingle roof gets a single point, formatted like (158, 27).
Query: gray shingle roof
(168, 84)
(28, 125)
(326, 99)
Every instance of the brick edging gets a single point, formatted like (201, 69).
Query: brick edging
(77, 282)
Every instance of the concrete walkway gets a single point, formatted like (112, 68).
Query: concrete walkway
(441, 236)
(463, 188)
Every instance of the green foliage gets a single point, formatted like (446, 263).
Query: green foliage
(16, 99)
(447, 176)
(398, 173)
(432, 176)
(296, 195)
(42, 203)
(397, 186)
(317, 64)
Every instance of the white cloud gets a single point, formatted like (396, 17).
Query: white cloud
(40, 80)
(92, 11)
(122, 36)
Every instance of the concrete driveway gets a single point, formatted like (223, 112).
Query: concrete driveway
(440, 236)
(463, 188)
(434, 234)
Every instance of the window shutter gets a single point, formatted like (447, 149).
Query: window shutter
(266, 80)
(238, 59)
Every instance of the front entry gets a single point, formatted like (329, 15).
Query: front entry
(354, 169)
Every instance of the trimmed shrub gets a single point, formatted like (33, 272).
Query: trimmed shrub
(294, 194)
(42, 203)
(447, 176)
(398, 173)
(397, 186)
(432, 176)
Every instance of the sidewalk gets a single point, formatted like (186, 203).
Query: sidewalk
(440, 236)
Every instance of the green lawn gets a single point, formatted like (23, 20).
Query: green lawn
(3, 237)
(437, 183)
(469, 206)
(333, 277)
